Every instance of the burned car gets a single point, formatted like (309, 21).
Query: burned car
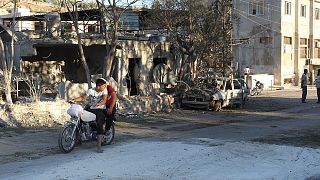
(216, 93)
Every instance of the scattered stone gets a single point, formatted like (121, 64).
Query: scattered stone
(145, 104)
(44, 114)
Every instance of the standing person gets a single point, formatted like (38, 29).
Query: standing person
(97, 105)
(128, 81)
(304, 85)
(246, 72)
(318, 85)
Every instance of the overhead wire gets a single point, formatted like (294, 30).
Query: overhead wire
(241, 13)
(259, 23)
(267, 4)
(259, 17)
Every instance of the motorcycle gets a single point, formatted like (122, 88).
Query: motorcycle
(257, 90)
(80, 129)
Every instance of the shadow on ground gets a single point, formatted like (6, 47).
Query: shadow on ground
(300, 138)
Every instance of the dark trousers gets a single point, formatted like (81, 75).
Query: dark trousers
(318, 94)
(304, 93)
(100, 119)
(109, 119)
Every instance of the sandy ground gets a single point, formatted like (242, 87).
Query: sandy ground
(174, 160)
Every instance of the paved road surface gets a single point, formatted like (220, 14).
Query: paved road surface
(274, 136)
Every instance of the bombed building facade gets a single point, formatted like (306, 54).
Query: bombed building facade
(46, 45)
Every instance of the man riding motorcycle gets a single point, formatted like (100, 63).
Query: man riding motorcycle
(97, 105)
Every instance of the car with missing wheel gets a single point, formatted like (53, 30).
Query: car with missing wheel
(216, 93)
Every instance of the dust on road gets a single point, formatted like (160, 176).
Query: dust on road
(19, 144)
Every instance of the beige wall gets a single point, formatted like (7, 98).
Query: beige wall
(261, 58)
(279, 59)
(145, 51)
(288, 24)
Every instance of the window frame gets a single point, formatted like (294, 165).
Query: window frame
(287, 8)
(317, 48)
(266, 40)
(303, 10)
(303, 41)
(305, 52)
(39, 26)
(316, 13)
(256, 7)
(286, 38)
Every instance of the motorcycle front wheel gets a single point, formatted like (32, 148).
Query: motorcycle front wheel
(109, 136)
(67, 138)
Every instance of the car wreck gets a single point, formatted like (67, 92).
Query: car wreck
(216, 93)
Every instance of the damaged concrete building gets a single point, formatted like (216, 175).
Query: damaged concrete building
(46, 45)
(278, 38)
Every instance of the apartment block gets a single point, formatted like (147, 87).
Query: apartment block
(277, 37)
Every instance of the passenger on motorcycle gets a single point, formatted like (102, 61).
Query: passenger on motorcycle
(97, 105)
(111, 106)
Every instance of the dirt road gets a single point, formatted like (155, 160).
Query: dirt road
(276, 117)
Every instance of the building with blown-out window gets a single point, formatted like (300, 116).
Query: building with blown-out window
(277, 37)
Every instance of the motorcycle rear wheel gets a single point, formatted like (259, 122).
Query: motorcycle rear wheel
(66, 140)
(254, 91)
(109, 136)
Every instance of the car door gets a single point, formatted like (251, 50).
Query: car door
(237, 92)
(229, 92)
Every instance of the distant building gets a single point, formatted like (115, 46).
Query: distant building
(277, 37)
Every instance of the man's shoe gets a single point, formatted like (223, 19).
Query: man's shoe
(304, 102)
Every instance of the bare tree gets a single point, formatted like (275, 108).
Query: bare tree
(72, 7)
(200, 29)
(7, 57)
(111, 14)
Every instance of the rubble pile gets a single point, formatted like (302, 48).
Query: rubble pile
(39, 114)
(52, 113)
(145, 104)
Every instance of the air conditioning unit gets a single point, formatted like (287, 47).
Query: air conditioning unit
(317, 44)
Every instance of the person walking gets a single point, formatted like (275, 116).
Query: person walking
(304, 85)
(318, 85)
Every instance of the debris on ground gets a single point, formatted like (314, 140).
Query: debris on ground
(37, 114)
(145, 104)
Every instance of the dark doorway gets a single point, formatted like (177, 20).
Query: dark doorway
(131, 77)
